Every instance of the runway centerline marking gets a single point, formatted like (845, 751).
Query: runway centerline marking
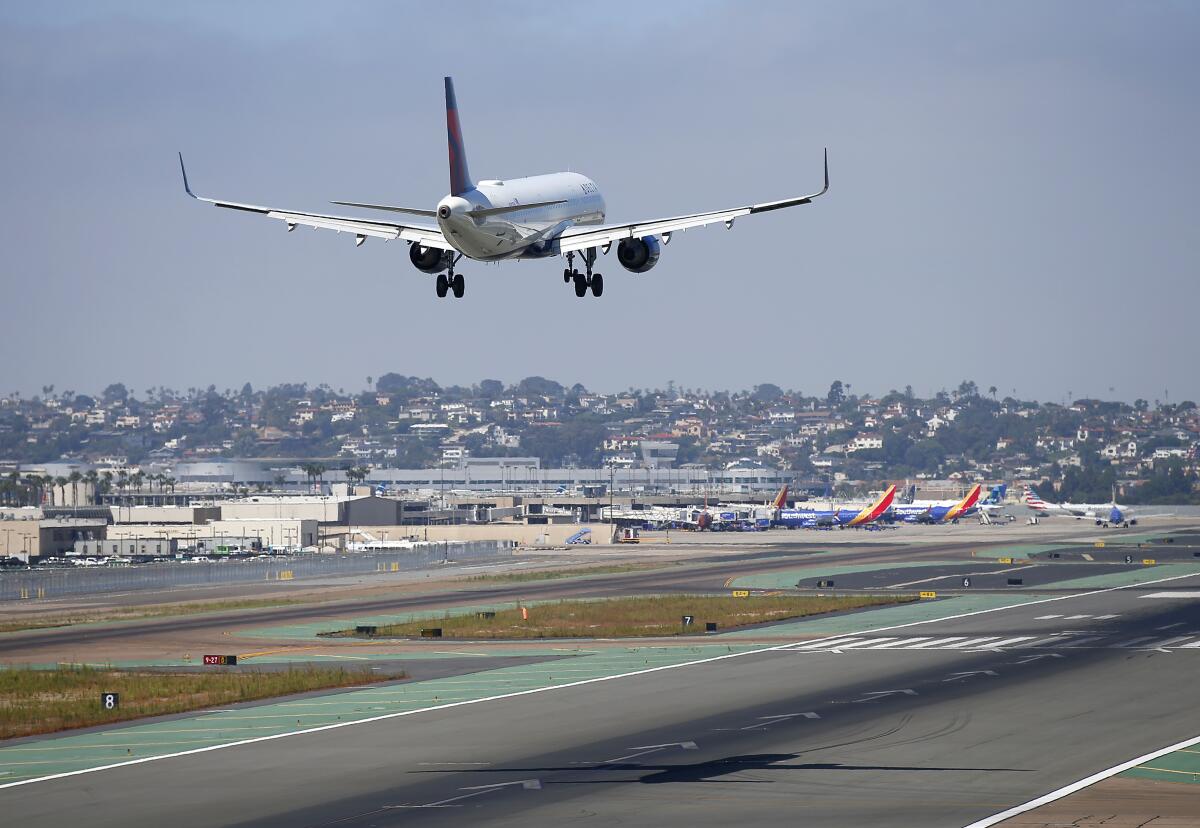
(596, 680)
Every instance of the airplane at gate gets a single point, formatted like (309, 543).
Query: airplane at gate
(818, 518)
(938, 511)
(559, 214)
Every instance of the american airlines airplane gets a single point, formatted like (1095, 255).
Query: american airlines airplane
(1104, 514)
(559, 214)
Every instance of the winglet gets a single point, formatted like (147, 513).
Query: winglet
(183, 170)
(826, 188)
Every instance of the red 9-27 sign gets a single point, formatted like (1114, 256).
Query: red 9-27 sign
(220, 659)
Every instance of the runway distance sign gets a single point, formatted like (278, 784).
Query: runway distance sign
(110, 701)
(220, 660)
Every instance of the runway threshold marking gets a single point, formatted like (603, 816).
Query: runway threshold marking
(1086, 782)
(596, 680)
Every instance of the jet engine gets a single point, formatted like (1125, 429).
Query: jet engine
(638, 255)
(429, 259)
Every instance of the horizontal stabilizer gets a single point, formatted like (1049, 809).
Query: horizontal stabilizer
(412, 211)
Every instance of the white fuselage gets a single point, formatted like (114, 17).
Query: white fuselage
(525, 233)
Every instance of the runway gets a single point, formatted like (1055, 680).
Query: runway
(849, 731)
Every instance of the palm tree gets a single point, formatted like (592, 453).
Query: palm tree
(107, 478)
(992, 391)
(92, 478)
(60, 483)
(170, 481)
(75, 478)
(34, 482)
(137, 479)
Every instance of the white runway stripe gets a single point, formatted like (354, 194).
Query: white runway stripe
(826, 644)
(900, 642)
(1004, 642)
(934, 643)
(971, 642)
(865, 642)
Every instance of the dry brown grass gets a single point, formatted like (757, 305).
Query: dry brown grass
(46, 701)
(634, 617)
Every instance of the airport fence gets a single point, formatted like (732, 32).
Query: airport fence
(55, 583)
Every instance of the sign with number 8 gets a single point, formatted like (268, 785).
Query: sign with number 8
(110, 701)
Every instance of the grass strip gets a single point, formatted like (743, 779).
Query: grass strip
(634, 617)
(47, 701)
(135, 613)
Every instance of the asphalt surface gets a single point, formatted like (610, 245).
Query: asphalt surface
(845, 732)
(709, 576)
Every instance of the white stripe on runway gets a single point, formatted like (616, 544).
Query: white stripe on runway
(1192, 646)
(934, 643)
(1004, 642)
(1041, 641)
(974, 642)
(821, 645)
(1087, 781)
(900, 642)
(863, 643)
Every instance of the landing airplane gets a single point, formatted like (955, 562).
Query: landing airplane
(559, 214)
(938, 511)
(820, 518)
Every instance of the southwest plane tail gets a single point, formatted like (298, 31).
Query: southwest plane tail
(876, 509)
(780, 499)
(965, 505)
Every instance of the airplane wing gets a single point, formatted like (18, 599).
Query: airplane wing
(581, 238)
(361, 228)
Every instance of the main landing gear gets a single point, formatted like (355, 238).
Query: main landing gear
(451, 282)
(583, 281)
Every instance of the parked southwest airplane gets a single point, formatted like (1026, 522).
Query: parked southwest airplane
(560, 214)
(818, 518)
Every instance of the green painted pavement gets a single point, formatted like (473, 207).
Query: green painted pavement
(1023, 550)
(1126, 578)
(32, 758)
(1180, 766)
(787, 578)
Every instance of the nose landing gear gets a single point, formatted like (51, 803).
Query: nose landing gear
(586, 280)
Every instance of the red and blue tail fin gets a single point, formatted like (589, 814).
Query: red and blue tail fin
(780, 499)
(460, 176)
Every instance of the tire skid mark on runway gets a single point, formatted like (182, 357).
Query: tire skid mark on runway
(669, 665)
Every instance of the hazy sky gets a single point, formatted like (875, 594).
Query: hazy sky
(1014, 193)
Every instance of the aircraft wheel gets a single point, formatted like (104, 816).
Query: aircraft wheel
(459, 285)
(567, 274)
(443, 285)
(581, 285)
(597, 285)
